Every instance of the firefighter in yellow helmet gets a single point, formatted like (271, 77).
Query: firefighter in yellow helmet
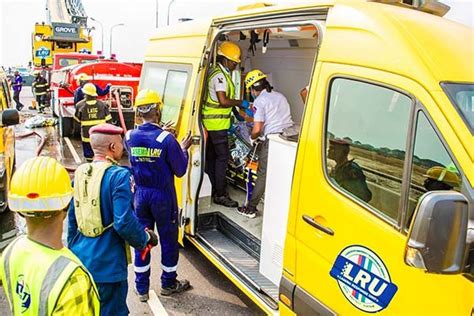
(83, 79)
(90, 112)
(441, 178)
(40, 276)
(216, 117)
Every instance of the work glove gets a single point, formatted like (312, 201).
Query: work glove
(152, 237)
(245, 104)
(249, 112)
(256, 141)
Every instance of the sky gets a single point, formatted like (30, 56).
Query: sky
(17, 19)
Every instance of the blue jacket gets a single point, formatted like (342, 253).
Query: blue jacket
(79, 95)
(104, 256)
(156, 157)
(18, 83)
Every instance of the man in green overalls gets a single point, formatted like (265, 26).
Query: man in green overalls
(216, 115)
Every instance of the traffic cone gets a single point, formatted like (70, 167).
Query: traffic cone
(33, 105)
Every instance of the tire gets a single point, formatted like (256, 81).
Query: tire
(65, 126)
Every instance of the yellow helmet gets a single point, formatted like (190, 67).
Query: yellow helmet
(41, 184)
(36, 72)
(147, 97)
(83, 77)
(252, 77)
(89, 89)
(230, 51)
(443, 175)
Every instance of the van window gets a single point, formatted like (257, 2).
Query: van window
(171, 82)
(462, 97)
(432, 167)
(366, 136)
(173, 96)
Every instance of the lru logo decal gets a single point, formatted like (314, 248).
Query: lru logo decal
(363, 279)
(23, 292)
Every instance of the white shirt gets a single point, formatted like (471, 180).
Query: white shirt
(273, 109)
(218, 83)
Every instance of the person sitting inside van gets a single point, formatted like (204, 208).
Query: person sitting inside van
(347, 173)
(272, 116)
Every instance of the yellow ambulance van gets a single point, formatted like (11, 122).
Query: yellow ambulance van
(8, 118)
(389, 112)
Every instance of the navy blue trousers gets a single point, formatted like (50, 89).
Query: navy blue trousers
(113, 298)
(155, 207)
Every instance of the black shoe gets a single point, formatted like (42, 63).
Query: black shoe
(248, 211)
(31, 108)
(142, 297)
(225, 201)
(179, 287)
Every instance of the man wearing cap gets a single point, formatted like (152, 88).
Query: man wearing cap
(40, 87)
(272, 115)
(101, 219)
(216, 118)
(82, 79)
(17, 84)
(347, 173)
(156, 158)
(40, 276)
(90, 112)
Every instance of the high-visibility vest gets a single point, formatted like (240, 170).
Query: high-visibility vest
(215, 117)
(34, 277)
(87, 186)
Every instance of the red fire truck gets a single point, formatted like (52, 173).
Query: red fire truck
(123, 77)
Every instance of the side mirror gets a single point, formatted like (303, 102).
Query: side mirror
(9, 117)
(437, 238)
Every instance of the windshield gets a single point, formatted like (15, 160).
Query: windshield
(462, 97)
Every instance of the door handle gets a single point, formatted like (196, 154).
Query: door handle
(308, 219)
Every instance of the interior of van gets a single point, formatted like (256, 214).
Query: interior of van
(253, 247)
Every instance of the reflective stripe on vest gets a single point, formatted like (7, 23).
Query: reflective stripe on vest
(88, 180)
(215, 117)
(34, 289)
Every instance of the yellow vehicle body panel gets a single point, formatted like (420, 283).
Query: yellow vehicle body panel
(7, 134)
(394, 46)
(418, 293)
(41, 40)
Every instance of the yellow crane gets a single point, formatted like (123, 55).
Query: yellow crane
(65, 31)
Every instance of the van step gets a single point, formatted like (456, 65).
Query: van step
(241, 262)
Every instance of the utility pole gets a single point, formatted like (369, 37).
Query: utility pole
(169, 8)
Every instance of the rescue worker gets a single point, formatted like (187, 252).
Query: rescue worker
(347, 173)
(40, 276)
(156, 158)
(17, 85)
(216, 118)
(271, 116)
(90, 112)
(441, 178)
(102, 222)
(40, 87)
(82, 79)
